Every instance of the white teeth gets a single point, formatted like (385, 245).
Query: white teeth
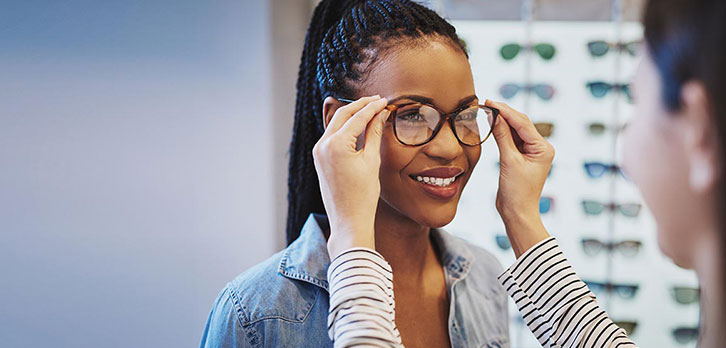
(436, 181)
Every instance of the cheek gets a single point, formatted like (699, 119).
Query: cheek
(472, 155)
(653, 162)
(394, 158)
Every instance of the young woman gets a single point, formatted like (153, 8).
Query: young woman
(674, 152)
(447, 291)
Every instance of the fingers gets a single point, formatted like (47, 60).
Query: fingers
(374, 132)
(356, 124)
(521, 124)
(503, 136)
(346, 112)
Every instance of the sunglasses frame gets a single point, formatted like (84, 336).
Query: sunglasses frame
(544, 50)
(443, 117)
(592, 247)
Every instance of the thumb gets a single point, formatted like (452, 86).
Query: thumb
(374, 132)
(503, 136)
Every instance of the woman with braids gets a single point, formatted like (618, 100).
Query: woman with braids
(362, 61)
(675, 148)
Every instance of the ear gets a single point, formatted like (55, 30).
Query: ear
(701, 137)
(330, 106)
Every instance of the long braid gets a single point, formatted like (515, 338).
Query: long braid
(337, 54)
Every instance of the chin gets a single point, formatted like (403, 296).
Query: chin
(439, 217)
(673, 251)
(426, 213)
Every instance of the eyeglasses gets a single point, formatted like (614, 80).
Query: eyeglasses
(599, 48)
(686, 295)
(625, 291)
(544, 128)
(597, 169)
(599, 89)
(629, 248)
(545, 204)
(597, 128)
(627, 325)
(511, 50)
(685, 335)
(544, 91)
(596, 208)
(503, 242)
(416, 123)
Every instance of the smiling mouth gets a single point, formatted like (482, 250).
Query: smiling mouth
(435, 181)
(439, 183)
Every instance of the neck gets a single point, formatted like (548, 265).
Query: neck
(708, 266)
(404, 243)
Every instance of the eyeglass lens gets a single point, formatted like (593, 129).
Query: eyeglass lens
(416, 124)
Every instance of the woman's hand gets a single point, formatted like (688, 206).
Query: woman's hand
(348, 177)
(525, 158)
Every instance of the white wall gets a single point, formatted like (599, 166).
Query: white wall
(137, 167)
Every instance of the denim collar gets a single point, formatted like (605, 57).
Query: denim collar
(307, 258)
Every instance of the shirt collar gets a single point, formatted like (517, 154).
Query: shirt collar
(456, 254)
(307, 258)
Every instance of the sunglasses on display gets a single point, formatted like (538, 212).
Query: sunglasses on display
(503, 242)
(628, 325)
(630, 210)
(686, 295)
(600, 89)
(545, 204)
(417, 123)
(628, 248)
(545, 128)
(625, 291)
(685, 335)
(599, 48)
(597, 128)
(511, 50)
(543, 91)
(597, 169)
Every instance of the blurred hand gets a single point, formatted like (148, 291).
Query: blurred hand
(348, 177)
(525, 158)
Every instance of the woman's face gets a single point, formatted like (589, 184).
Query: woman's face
(440, 74)
(658, 157)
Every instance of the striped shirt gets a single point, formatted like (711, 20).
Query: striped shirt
(555, 304)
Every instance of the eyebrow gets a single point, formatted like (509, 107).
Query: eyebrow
(427, 100)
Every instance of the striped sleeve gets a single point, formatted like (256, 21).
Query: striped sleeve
(555, 304)
(362, 308)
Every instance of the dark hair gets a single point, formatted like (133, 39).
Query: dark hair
(343, 42)
(687, 41)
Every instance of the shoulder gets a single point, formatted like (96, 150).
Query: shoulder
(261, 307)
(262, 292)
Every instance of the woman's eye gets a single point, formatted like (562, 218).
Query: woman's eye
(468, 116)
(412, 117)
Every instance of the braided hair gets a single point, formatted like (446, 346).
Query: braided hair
(344, 40)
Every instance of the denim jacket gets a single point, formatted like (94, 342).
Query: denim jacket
(283, 301)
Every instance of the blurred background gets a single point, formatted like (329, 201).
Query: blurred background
(143, 159)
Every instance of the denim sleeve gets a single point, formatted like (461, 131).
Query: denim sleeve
(224, 329)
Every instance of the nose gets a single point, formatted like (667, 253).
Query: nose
(444, 145)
